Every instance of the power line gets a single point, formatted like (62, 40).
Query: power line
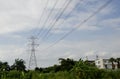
(55, 16)
(69, 14)
(79, 25)
(57, 19)
(48, 17)
(44, 9)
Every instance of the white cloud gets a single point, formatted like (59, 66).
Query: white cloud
(24, 15)
(103, 47)
(10, 53)
(113, 23)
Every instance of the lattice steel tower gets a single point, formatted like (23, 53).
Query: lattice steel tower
(33, 60)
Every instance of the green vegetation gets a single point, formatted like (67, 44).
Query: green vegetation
(68, 69)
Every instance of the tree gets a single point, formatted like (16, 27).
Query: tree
(18, 65)
(112, 60)
(4, 66)
(66, 64)
(83, 70)
(118, 62)
(1, 65)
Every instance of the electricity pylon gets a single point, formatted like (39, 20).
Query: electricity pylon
(33, 60)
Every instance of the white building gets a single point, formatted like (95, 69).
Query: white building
(104, 64)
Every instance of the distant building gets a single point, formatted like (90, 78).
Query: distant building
(104, 63)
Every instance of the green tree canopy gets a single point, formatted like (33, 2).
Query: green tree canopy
(19, 65)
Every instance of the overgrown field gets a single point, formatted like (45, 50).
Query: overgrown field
(99, 74)
(68, 69)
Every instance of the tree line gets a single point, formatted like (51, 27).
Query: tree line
(65, 65)
(67, 69)
(18, 65)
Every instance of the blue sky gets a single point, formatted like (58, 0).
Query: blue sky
(19, 19)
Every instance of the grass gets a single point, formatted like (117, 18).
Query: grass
(106, 74)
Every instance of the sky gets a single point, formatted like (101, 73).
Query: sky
(21, 19)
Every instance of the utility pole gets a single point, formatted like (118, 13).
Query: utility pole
(32, 60)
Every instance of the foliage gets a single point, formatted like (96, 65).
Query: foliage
(85, 71)
(18, 65)
(68, 69)
(65, 65)
(4, 66)
(112, 60)
(118, 62)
